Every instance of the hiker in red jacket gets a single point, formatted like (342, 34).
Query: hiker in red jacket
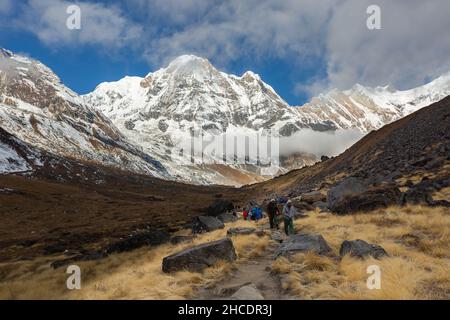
(245, 214)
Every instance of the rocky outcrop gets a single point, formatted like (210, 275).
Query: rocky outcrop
(200, 257)
(349, 187)
(303, 243)
(206, 224)
(354, 196)
(361, 249)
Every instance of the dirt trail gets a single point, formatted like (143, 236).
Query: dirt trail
(254, 271)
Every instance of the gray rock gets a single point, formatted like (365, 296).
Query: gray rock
(200, 257)
(242, 231)
(206, 224)
(303, 243)
(348, 187)
(227, 217)
(361, 249)
(278, 236)
(313, 196)
(249, 292)
(321, 205)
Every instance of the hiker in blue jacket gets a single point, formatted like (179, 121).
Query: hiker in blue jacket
(255, 213)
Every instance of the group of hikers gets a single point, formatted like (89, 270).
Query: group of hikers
(276, 216)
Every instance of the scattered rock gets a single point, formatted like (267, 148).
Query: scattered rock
(278, 236)
(139, 239)
(324, 158)
(417, 196)
(227, 217)
(361, 249)
(243, 231)
(433, 164)
(200, 257)
(249, 292)
(206, 224)
(303, 243)
(313, 196)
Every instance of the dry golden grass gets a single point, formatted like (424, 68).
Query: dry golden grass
(416, 238)
(134, 275)
(443, 194)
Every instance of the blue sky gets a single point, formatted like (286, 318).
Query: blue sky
(300, 47)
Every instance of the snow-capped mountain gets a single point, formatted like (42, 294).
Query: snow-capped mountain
(39, 110)
(145, 125)
(371, 108)
(158, 111)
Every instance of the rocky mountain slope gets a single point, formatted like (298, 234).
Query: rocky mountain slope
(39, 110)
(411, 154)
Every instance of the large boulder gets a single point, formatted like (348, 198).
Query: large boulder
(367, 200)
(361, 249)
(303, 243)
(349, 187)
(200, 257)
(313, 196)
(248, 292)
(206, 224)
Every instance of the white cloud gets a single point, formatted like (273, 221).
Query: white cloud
(100, 24)
(228, 30)
(413, 45)
(330, 143)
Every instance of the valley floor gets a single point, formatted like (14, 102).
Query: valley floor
(416, 238)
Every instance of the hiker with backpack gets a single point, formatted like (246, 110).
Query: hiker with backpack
(256, 213)
(273, 212)
(289, 212)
